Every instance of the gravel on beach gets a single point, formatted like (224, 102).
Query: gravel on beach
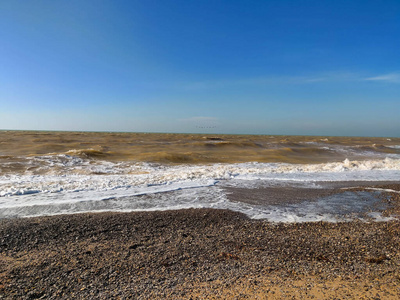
(198, 254)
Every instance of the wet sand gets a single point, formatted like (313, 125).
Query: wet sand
(284, 194)
(198, 254)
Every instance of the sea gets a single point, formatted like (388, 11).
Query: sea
(276, 178)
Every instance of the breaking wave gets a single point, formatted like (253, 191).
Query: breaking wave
(52, 173)
(72, 174)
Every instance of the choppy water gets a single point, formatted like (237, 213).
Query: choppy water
(44, 173)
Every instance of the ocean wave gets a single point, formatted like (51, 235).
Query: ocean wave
(143, 186)
(108, 176)
(91, 153)
(397, 147)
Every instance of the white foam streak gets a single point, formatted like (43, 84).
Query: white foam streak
(67, 184)
(383, 190)
(109, 176)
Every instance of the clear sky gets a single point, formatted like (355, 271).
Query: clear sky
(235, 66)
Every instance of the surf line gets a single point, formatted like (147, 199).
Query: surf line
(371, 188)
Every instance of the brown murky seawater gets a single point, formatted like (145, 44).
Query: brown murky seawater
(193, 148)
(45, 173)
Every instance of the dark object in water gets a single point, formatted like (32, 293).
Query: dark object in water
(214, 139)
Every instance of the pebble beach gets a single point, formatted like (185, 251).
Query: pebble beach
(199, 150)
(198, 254)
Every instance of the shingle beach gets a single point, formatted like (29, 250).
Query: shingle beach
(198, 254)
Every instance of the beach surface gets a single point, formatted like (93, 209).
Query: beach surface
(199, 254)
(86, 215)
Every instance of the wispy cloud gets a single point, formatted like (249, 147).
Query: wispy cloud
(390, 77)
(200, 119)
(319, 78)
(202, 122)
(274, 80)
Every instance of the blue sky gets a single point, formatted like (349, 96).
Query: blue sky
(260, 67)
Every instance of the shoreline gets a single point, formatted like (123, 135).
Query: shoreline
(198, 254)
(275, 197)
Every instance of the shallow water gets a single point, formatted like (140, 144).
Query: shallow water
(45, 173)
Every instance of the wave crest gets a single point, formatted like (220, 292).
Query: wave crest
(87, 153)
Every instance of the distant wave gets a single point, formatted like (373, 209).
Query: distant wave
(87, 153)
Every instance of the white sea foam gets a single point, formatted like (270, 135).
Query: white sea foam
(113, 176)
(330, 209)
(67, 184)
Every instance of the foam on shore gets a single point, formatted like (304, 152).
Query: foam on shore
(83, 185)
